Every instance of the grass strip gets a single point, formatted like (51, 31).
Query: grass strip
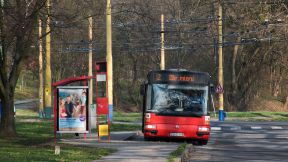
(256, 116)
(177, 153)
(35, 143)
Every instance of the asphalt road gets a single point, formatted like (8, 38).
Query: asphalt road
(244, 141)
(230, 141)
(26, 104)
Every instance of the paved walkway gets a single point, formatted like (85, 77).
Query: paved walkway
(141, 151)
(138, 151)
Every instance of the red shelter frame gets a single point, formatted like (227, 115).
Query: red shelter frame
(102, 101)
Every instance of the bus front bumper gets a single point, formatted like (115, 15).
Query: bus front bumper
(178, 131)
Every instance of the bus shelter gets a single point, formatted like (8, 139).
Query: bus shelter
(70, 106)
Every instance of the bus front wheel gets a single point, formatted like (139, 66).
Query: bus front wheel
(203, 142)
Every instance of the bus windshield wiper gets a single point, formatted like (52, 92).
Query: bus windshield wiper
(195, 113)
(165, 109)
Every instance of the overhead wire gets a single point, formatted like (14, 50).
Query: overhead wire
(170, 22)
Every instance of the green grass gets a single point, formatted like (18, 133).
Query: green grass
(26, 114)
(177, 153)
(127, 117)
(121, 114)
(27, 93)
(124, 117)
(125, 127)
(35, 143)
(256, 116)
(14, 151)
(27, 86)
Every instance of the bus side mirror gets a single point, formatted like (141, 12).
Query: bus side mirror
(212, 89)
(142, 89)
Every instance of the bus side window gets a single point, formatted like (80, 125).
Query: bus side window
(212, 89)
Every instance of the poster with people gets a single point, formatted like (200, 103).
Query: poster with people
(72, 109)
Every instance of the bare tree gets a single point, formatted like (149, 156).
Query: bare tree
(17, 24)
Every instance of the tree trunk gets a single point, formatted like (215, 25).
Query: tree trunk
(234, 57)
(7, 126)
(277, 83)
(234, 85)
(135, 72)
(271, 78)
(286, 104)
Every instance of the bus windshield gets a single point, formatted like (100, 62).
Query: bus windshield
(178, 100)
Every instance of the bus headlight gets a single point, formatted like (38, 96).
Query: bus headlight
(203, 129)
(150, 126)
(147, 117)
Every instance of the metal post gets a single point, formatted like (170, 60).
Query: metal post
(220, 63)
(162, 65)
(90, 60)
(92, 114)
(47, 109)
(41, 103)
(109, 58)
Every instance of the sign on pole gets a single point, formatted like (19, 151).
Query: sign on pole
(219, 89)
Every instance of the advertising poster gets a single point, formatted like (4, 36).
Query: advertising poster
(72, 109)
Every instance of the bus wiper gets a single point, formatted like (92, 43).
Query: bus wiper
(193, 109)
(195, 113)
(165, 109)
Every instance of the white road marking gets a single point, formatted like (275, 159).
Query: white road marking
(235, 128)
(216, 128)
(256, 127)
(276, 127)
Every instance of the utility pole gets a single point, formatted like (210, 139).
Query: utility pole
(162, 65)
(48, 109)
(90, 20)
(220, 63)
(41, 104)
(109, 58)
(2, 16)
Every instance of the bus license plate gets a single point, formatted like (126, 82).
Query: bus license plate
(176, 134)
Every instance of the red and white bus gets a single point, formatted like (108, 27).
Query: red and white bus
(176, 105)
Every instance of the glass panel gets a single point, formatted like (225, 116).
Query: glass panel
(179, 99)
(101, 89)
(148, 97)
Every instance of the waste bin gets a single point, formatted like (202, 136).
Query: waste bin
(48, 112)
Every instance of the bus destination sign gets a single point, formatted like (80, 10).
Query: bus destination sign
(173, 77)
(183, 77)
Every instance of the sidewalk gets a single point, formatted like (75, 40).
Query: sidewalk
(141, 152)
(128, 150)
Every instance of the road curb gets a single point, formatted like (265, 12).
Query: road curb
(131, 137)
(186, 154)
